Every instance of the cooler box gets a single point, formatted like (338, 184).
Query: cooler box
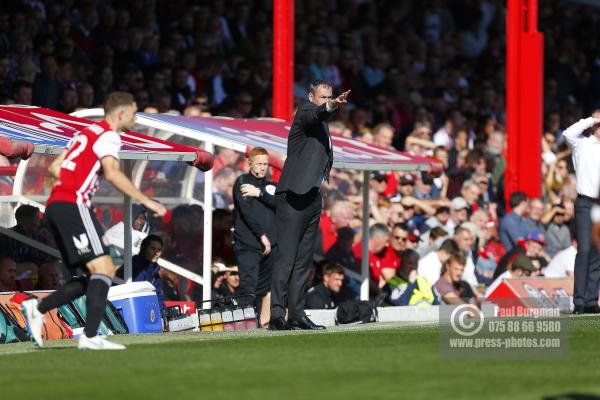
(138, 304)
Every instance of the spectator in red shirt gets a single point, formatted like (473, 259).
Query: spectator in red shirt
(339, 216)
(383, 261)
(399, 238)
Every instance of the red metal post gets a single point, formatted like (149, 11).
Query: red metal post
(524, 98)
(283, 58)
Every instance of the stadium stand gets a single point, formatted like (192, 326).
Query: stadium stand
(426, 77)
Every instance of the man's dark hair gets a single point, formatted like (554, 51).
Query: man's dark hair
(402, 226)
(437, 232)
(474, 156)
(117, 99)
(315, 84)
(332, 268)
(150, 238)
(517, 198)
(409, 256)
(25, 211)
(449, 246)
(197, 208)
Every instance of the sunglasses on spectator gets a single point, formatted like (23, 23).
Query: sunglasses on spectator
(401, 238)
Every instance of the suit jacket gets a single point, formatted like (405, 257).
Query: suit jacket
(309, 152)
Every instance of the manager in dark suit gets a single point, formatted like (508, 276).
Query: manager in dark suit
(298, 205)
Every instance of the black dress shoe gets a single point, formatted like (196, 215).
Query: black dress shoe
(578, 310)
(591, 310)
(304, 323)
(279, 324)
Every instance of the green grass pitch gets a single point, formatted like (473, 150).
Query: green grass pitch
(387, 361)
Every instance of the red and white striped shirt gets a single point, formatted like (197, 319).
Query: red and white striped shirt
(79, 172)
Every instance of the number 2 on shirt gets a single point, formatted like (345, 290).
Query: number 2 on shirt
(77, 147)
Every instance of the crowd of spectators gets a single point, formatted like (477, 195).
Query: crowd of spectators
(427, 77)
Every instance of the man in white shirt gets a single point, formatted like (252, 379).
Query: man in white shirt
(586, 160)
(430, 266)
(562, 264)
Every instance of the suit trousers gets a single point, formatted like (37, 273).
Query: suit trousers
(297, 221)
(587, 261)
(255, 270)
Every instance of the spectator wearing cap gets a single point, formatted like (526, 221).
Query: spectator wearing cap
(512, 227)
(558, 235)
(414, 238)
(430, 266)
(521, 266)
(406, 186)
(451, 286)
(459, 213)
(532, 247)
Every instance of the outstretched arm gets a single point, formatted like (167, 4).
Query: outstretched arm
(113, 174)
(321, 113)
